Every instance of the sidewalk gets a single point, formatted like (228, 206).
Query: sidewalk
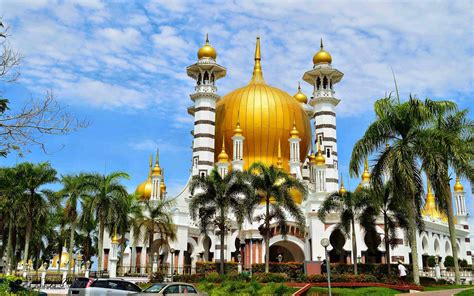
(438, 293)
(55, 292)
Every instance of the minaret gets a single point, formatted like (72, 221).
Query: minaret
(320, 170)
(366, 174)
(295, 163)
(163, 185)
(223, 160)
(342, 190)
(323, 77)
(156, 179)
(460, 198)
(430, 209)
(238, 147)
(206, 71)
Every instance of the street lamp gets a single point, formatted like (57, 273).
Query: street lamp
(325, 244)
(172, 261)
(239, 259)
(279, 258)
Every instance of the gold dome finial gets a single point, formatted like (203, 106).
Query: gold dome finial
(342, 190)
(238, 130)
(207, 51)
(257, 76)
(279, 161)
(431, 209)
(156, 171)
(294, 134)
(319, 160)
(115, 238)
(322, 56)
(458, 186)
(300, 96)
(223, 156)
(366, 174)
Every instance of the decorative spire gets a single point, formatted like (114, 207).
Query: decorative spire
(319, 160)
(299, 96)
(151, 165)
(238, 130)
(366, 173)
(223, 156)
(257, 77)
(207, 51)
(156, 171)
(458, 186)
(207, 39)
(279, 161)
(322, 46)
(294, 132)
(342, 190)
(431, 209)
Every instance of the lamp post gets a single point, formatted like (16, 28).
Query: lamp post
(325, 244)
(88, 266)
(280, 258)
(154, 266)
(239, 259)
(172, 261)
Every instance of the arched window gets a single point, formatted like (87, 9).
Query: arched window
(325, 82)
(199, 79)
(328, 153)
(206, 78)
(330, 84)
(212, 78)
(318, 83)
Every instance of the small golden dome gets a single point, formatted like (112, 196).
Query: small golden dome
(319, 159)
(458, 186)
(238, 130)
(366, 173)
(163, 187)
(223, 156)
(294, 133)
(431, 209)
(322, 56)
(115, 239)
(143, 190)
(156, 171)
(300, 97)
(342, 190)
(64, 260)
(312, 158)
(207, 51)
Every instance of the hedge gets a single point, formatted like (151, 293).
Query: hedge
(207, 267)
(292, 269)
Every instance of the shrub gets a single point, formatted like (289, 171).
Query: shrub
(427, 281)
(275, 289)
(463, 263)
(207, 267)
(292, 269)
(270, 277)
(214, 277)
(431, 261)
(449, 261)
(157, 277)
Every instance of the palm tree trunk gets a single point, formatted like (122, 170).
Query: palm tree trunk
(354, 247)
(267, 235)
(222, 267)
(60, 253)
(71, 246)
(412, 229)
(10, 246)
(27, 242)
(387, 244)
(100, 244)
(150, 256)
(452, 236)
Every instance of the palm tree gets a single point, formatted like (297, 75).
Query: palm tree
(35, 202)
(72, 191)
(88, 229)
(214, 197)
(273, 186)
(450, 144)
(403, 125)
(106, 192)
(9, 193)
(347, 204)
(381, 202)
(154, 217)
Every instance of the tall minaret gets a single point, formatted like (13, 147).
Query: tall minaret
(323, 77)
(223, 160)
(366, 174)
(320, 170)
(460, 199)
(206, 71)
(295, 162)
(238, 147)
(156, 179)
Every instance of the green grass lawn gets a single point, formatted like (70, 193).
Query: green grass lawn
(370, 291)
(445, 287)
(469, 292)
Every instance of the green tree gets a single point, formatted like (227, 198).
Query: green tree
(106, 192)
(154, 217)
(274, 188)
(35, 202)
(213, 199)
(402, 125)
(72, 191)
(450, 143)
(347, 205)
(381, 201)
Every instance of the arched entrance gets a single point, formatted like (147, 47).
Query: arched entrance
(207, 243)
(337, 254)
(372, 254)
(289, 251)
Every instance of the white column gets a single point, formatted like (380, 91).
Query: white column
(238, 152)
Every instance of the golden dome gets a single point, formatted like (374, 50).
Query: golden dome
(458, 186)
(312, 158)
(64, 260)
(431, 209)
(342, 190)
(366, 173)
(223, 157)
(300, 97)
(156, 171)
(143, 190)
(322, 56)
(115, 239)
(207, 51)
(294, 134)
(266, 115)
(319, 158)
(163, 187)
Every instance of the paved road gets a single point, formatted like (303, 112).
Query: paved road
(438, 293)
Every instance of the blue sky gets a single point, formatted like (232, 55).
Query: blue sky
(121, 65)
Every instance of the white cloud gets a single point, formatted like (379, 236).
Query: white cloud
(153, 144)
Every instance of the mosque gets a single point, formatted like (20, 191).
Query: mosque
(259, 122)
